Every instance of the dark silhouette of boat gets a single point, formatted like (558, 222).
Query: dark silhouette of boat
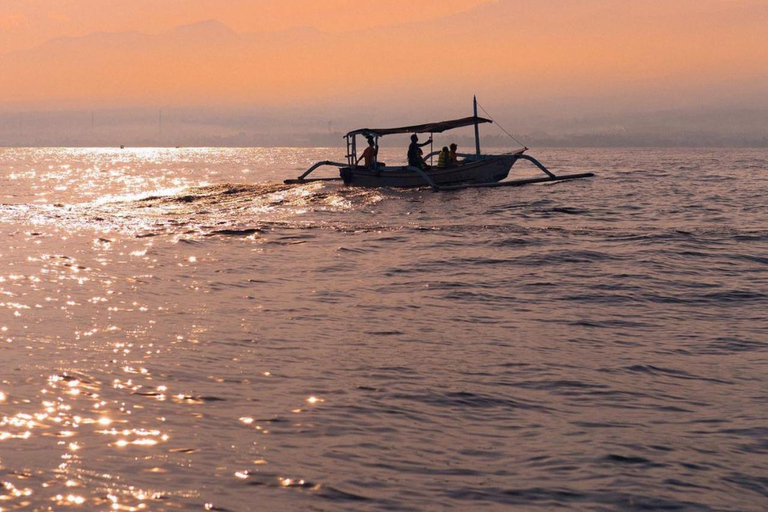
(476, 170)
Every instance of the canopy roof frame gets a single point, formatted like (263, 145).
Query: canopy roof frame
(437, 127)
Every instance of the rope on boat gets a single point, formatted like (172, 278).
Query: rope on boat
(502, 128)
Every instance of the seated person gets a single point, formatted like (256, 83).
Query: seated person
(369, 154)
(415, 153)
(453, 156)
(444, 160)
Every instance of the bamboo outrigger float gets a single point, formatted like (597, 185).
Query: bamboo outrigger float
(476, 171)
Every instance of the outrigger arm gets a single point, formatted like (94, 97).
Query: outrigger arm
(537, 164)
(425, 176)
(550, 176)
(302, 178)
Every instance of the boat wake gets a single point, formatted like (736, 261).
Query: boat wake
(229, 209)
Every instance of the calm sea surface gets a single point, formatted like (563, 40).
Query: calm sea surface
(181, 331)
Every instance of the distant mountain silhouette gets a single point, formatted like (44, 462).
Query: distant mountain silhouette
(209, 30)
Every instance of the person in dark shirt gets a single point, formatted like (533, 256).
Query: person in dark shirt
(415, 153)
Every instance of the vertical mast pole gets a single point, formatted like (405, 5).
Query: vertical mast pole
(431, 148)
(477, 128)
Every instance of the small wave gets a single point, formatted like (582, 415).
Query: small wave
(569, 210)
(578, 256)
(466, 399)
(332, 494)
(510, 242)
(320, 490)
(631, 460)
(610, 324)
(552, 385)
(215, 508)
(567, 498)
(736, 296)
(669, 372)
(730, 345)
(753, 483)
(754, 259)
(236, 232)
(196, 400)
(213, 193)
(673, 482)
(604, 424)
(751, 237)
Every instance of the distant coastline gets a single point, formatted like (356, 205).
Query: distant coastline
(147, 127)
(315, 141)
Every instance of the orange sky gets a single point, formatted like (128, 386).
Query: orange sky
(28, 22)
(268, 52)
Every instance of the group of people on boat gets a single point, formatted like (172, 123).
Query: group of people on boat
(447, 157)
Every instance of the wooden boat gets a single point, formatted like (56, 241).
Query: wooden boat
(476, 170)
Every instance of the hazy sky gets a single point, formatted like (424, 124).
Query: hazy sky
(25, 23)
(68, 54)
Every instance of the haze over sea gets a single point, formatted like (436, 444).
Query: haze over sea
(181, 331)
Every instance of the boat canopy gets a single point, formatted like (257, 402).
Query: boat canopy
(438, 127)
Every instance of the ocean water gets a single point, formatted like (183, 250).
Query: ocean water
(181, 331)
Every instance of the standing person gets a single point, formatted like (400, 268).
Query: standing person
(369, 154)
(415, 153)
(444, 160)
(453, 155)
